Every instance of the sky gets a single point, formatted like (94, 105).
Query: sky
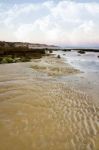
(70, 23)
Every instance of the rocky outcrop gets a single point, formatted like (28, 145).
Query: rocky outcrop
(81, 51)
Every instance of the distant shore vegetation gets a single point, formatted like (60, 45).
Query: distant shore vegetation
(14, 59)
(13, 53)
(19, 54)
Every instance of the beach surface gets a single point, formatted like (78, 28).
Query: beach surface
(40, 109)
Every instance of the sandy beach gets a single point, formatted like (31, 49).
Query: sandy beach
(39, 112)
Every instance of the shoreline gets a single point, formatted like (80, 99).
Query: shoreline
(54, 66)
(36, 108)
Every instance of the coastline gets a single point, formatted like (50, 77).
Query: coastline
(53, 66)
(36, 108)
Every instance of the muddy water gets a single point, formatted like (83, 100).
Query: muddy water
(39, 113)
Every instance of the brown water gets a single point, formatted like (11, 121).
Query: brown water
(38, 112)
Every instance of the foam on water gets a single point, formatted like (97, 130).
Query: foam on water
(88, 62)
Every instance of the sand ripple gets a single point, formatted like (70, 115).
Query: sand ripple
(38, 114)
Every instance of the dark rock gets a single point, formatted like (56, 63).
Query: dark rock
(81, 52)
(65, 50)
(50, 51)
(58, 56)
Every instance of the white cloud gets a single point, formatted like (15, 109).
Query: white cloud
(65, 22)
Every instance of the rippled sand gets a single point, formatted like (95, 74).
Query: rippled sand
(53, 67)
(38, 113)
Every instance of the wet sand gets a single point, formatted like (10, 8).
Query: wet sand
(39, 112)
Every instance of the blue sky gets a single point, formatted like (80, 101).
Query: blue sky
(60, 22)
